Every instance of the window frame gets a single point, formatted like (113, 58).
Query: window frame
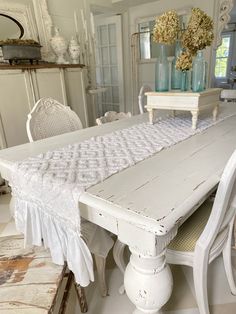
(229, 58)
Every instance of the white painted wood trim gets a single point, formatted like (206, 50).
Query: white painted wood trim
(63, 86)
(3, 142)
(85, 105)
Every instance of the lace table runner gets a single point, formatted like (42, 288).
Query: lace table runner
(47, 187)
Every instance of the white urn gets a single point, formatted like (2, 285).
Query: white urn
(74, 50)
(59, 46)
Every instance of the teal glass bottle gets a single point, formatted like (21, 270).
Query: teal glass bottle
(184, 81)
(176, 75)
(198, 74)
(162, 70)
(206, 74)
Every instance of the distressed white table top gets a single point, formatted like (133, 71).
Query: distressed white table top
(156, 193)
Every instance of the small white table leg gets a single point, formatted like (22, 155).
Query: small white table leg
(148, 282)
(194, 119)
(151, 115)
(215, 112)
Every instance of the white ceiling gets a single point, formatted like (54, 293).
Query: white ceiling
(122, 4)
(117, 6)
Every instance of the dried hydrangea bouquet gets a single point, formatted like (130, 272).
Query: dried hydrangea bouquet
(165, 33)
(196, 37)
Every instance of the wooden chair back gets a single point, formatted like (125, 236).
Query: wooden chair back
(224, 207)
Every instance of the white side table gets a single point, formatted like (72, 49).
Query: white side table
(187, 101)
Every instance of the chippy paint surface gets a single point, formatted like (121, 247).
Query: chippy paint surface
(28, 279)
(145, 204)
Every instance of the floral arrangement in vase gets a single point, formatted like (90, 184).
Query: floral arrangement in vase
(196, 37)
(165, 33)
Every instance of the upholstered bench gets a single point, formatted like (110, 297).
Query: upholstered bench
(29, 281)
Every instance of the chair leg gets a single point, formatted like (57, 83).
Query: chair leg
(234, 228)
(118, 254)
(101, 263)
(81, 297)
(65, 296)
(200, 285)
(228, 262)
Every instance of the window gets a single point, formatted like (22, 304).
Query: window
(148, 49)
(222, 57)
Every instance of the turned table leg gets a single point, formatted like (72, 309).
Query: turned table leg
(118, 254)
(215, 112)
(194, 119)
(148, 282)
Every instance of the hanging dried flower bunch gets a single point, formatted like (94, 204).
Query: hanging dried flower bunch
(199, 32)
(166, 28)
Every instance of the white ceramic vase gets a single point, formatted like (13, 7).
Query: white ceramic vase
(59, 46)
(74, 50)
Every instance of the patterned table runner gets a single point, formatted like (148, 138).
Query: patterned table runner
(47, 187)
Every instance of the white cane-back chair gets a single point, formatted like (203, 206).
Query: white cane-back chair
(142, 98)
(111, 116)
(50, 118)
(207, 234)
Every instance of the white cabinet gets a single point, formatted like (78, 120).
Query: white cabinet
(15, 104)
(20, 88)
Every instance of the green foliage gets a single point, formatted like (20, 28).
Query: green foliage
(222, 54)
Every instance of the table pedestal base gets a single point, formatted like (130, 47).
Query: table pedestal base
(148, 282)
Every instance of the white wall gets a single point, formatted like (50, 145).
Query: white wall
(62, 12)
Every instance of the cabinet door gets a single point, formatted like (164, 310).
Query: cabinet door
(76, 92)
(49, 83)
(16, 96)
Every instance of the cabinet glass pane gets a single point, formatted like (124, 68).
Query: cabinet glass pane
(98, 75)
(103, 35)
(104, 55)
(107, 96)
(106, 76)
(114, 75)
(112, 33)
(98, 56)
(113, 55)
(115, 94)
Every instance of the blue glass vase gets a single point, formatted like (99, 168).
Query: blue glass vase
(198, 74)
(162, 70)
(184, 81)
(176, 75)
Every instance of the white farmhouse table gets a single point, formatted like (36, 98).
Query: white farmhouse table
(145, 204)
